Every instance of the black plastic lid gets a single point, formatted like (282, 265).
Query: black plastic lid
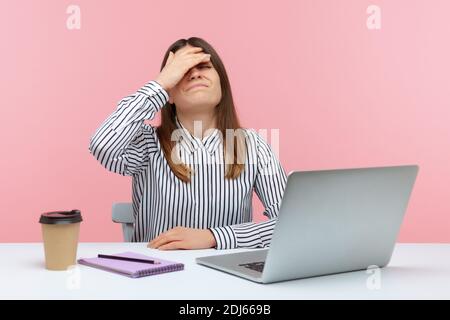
(61, 217)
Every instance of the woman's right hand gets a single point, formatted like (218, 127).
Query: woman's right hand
(178, 64)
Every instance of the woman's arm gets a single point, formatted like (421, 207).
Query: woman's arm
(121, 143)
(269, 186)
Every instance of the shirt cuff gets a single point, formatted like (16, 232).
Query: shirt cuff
(225, 237)
(152, 87)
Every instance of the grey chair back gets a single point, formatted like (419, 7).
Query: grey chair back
(123, 213)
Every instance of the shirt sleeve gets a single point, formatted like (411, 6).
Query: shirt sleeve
(269, 186)
(123, 142)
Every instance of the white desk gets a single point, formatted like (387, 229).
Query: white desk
(416, 271)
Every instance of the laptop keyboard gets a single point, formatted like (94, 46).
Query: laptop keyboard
(257, 266)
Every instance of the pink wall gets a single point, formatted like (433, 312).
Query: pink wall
(342, 95)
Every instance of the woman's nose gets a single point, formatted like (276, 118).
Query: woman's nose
(194, 72)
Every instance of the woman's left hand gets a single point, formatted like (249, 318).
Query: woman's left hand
(183, 238)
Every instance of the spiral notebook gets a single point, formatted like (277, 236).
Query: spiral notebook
(130, 268)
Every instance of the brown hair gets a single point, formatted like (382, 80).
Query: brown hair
(225, 114)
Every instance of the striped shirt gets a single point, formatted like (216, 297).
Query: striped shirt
(124, 144)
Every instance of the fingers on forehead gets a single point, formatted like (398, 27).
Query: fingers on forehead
(189, 48)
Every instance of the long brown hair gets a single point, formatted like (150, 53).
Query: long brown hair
(225, 114)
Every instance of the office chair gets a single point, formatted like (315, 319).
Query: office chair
(123, 213)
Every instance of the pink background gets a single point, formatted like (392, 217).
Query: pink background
(342, 95)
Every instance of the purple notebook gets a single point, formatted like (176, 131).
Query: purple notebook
(130, 268)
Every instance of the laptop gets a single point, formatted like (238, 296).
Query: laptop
(330, 221)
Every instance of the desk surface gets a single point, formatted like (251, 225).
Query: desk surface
(416, 271)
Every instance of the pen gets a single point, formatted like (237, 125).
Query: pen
(127, 259)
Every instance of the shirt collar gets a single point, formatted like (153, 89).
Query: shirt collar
(191, 143)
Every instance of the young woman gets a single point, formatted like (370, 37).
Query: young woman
(192, 184)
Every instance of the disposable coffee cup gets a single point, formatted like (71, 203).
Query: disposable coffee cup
(60, 230)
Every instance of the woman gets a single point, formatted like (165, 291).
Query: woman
(192, 185)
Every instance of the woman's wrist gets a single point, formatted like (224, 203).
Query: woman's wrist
(162, 84)
(212, 242)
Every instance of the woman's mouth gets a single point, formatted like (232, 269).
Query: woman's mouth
(200, 85)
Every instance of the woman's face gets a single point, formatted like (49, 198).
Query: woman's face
(199, 90)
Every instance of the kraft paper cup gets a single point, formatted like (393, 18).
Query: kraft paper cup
(60, 230)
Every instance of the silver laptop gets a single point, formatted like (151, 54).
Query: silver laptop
(330, 221)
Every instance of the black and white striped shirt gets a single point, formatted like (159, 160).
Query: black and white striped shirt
(124, 144)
